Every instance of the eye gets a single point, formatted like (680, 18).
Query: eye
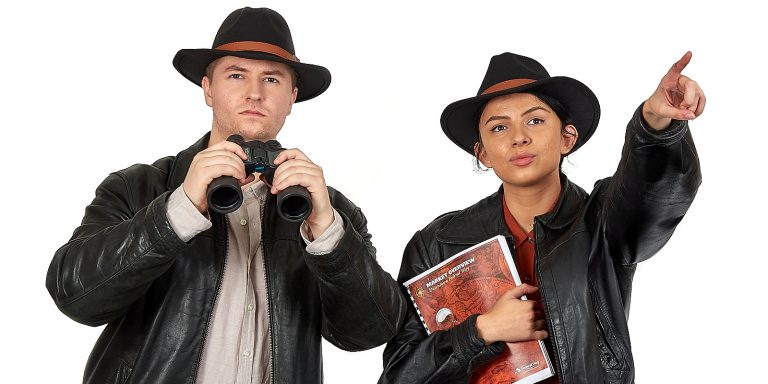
(535, 121)
(271, 80)
(236, 76)
(498, 128)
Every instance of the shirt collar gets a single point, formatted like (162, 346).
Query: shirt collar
(515, 228)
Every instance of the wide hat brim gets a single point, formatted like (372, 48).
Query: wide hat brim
(460, 119)
(312, 80)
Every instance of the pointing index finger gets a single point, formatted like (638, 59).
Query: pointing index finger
(677, 68)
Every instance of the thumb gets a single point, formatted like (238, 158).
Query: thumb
(671, 112)
(520, 290)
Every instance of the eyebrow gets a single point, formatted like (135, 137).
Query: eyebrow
(494, 118)
(536, 108)
(237, 68)
(529, 110)
(275, 72)
(234, 67)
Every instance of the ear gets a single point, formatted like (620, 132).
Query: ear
(294, 94)
(482, 155)
(206, 84)
(568, 139)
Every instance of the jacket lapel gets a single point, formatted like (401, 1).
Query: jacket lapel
(485, 219)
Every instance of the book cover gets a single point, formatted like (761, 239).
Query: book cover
(470, 282)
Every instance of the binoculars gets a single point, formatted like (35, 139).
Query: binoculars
(225, 195)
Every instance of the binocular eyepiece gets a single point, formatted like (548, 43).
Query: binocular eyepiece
(225, 195)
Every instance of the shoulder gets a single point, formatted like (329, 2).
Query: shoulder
(441, 222)
(156, 172)
(138, 184)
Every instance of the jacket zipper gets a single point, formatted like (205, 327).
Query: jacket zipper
(269, 298)
(550, 326)
(215, 299)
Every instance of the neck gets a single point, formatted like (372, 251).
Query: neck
(217, 136)
(527, 202)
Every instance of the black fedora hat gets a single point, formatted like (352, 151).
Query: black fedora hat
(260, 34)
(510, 73)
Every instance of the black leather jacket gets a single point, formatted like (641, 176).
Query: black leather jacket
(125, 267)
(586, 253)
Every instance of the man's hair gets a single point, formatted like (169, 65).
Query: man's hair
(209, 73)
(555, 105)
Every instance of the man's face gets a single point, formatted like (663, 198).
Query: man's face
(522, 140)
(249, 97)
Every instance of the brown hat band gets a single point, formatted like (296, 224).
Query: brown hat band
(507, 84)
(258, 46)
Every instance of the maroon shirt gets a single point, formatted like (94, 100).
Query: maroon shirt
(525, 262)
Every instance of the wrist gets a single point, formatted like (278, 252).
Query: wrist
(653, 120)
(202, 208)
(317, 226)
(481, 325)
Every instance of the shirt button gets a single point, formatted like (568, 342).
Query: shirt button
(243, 221)
(250, 307)
(527, 279)
(247, 353)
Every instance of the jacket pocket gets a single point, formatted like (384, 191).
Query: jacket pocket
(612, 355)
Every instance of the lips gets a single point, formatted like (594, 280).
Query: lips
(522, 159)
(252, 112)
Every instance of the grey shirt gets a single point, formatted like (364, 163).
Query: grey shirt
(237, 345)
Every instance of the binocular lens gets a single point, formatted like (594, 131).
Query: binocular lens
(294, 204)
(224, 195)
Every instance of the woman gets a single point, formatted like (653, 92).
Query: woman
(576, 252)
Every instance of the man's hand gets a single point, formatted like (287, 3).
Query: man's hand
(222, 159)
(295, 168)
(512, 320)
(677, 97)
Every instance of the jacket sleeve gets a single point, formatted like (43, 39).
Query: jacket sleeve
(442, 357)
(113, 256)
(655, 183)
(361, 305)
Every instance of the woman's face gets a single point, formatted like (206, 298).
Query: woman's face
(522, 140)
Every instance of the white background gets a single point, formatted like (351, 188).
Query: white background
(88, 88)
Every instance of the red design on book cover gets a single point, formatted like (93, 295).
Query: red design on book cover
(469, 283)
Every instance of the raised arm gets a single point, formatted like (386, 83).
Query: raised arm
(658, 175)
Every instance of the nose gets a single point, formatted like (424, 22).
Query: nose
(520, 138)
(255, 91)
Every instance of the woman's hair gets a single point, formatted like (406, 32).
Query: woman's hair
(555, 105)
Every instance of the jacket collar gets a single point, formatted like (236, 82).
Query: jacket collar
(485, 219)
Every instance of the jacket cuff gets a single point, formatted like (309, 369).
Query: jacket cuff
(183, 217)
(469, 348)
(328, 241)
(337, 260)
(165, 240)
(649, 136)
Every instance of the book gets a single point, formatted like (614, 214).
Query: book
(471, 282)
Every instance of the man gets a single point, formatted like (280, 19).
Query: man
(576, 253)
(190, 295)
